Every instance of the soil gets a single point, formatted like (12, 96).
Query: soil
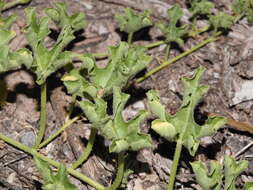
(229, 74)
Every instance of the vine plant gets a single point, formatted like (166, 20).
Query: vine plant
(94, 85)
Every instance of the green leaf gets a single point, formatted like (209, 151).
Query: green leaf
(248, 186)
(125, 135)
(96, 112)
(60, 16)
(182, 125)
(171, 31)
(77, 85)
(6, 22)
(59, 181)
(243, 8)
(201, 7)
(124, 63)
(221, 21)
(208, 180)
(10, 60)
(131, 22)
(232, 170)
(48, 60)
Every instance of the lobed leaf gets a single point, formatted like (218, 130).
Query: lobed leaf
(125, 135)
(208, 179)
(182, 125)
(221, 21)
(131, 22)
(124, 63)
(232, 170)
(201, 7)
(51, 181)
(243, 8)
(60, 16)
(171, 31)
(48, 60)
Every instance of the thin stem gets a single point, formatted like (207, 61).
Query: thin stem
(33, 152)
(155, 44)
(130, 38)
(87, 150)
(167, 52)
(53, 136)
(73, 103)
(100, 55)
(14, 3)
(120, 172)
(43, 115)
(175, 164)
(166, 63)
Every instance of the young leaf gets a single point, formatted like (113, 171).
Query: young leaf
(232, 170)
(208, 180)
(124, 63)
(47, 61)
(54, 182)
(201, 7)
(182, 125)
(124, 135)
(10, 60)
(60, 16)
(243, 8)
(172, 32)
(131, 22)
(221, 21)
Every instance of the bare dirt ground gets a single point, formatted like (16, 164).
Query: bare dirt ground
(229, 74)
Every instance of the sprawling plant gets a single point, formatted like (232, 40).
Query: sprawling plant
(212, 179)
(48, 60)
(94, 85)
(181, 127)
(124, 63)
(130, 22)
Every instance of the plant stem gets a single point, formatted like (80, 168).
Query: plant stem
(87, 150)
(73, 103)
(53, 136)
(33, 152)
(175, 164)
(130, 38)
(166, 63)
(100, 55)
(155, 44)
(120, 172)
(167, 52)
(14, 3)
(43, 115)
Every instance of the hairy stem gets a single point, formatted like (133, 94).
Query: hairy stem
(33, 152)
(120, 172)
(175, 164)
(166, 63)
(43, 115)
(87, 150)
(73, 103)
(53, 136)
(130, 38)
(167, 52)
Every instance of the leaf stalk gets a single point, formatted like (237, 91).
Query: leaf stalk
(43, 115)
(33, 152)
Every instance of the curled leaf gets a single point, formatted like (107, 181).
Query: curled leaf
(131, 22)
